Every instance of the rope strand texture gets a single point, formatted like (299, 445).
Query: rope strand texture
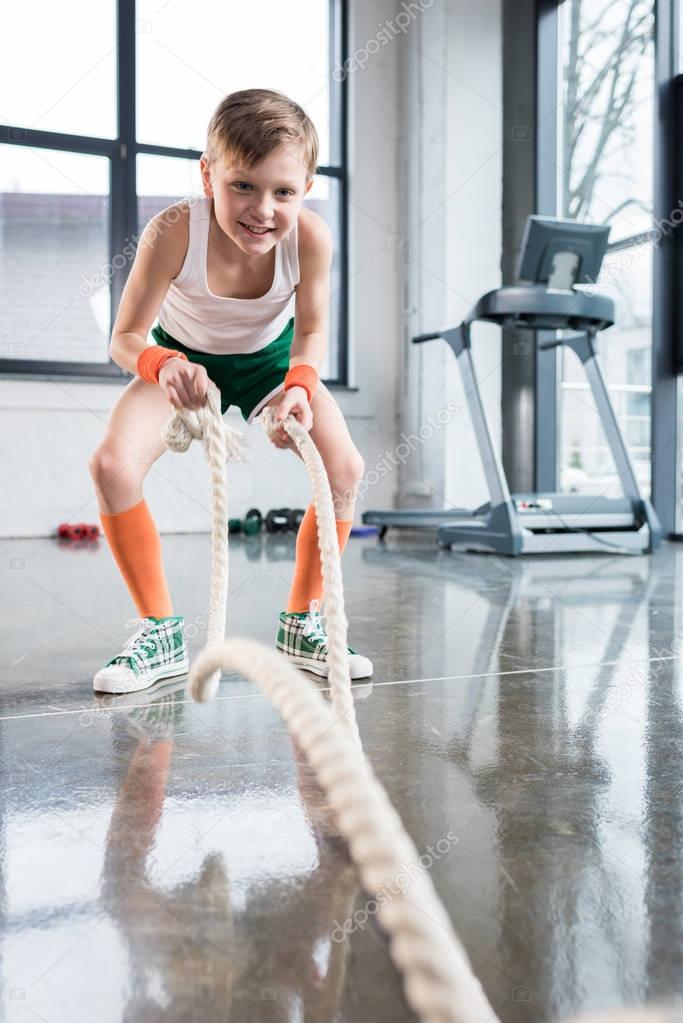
(439, 983)
(221, 442)
(339, 676)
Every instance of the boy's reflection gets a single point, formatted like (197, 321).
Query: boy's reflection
(188, 957)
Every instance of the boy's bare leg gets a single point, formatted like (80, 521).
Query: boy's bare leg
(130, 446)
(344, 466)
(342, 460)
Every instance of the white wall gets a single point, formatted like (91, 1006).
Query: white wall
(474, 224)
(453, 155)
(48, 429)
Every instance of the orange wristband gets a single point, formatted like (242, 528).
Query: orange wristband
(302, 376)
(152, 359)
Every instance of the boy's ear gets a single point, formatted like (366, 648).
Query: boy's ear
(309, 186)
(206, 177)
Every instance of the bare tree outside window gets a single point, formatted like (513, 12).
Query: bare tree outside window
(603, 88)
(605, 177)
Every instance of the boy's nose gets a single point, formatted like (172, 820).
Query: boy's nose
(263, 214)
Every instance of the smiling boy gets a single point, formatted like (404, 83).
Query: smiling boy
(238, 281)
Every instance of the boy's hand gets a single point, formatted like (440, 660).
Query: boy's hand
(185, 383)
(294, 401)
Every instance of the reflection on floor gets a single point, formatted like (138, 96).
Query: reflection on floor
(162, 860)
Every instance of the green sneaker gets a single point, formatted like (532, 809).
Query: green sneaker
(157, 650)
(303, 639)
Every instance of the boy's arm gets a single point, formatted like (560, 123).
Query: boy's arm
(159, 258)
(310, 319)
(312, 293)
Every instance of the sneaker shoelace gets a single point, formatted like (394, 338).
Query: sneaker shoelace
(314, 628)
(136, 645)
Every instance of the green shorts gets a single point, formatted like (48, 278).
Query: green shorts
(248, 381)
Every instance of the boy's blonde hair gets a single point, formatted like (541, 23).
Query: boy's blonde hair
(248, 125)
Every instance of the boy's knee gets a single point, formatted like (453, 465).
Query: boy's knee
(104, 464)
(358, 467)
(347, 473)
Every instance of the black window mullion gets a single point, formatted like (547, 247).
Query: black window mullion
(338, 124)
(665, 452)
(546, 391)
(34, 138)
(150, 149)
(123, 215)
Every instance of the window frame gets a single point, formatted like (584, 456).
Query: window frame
(665, 471)
(122, 153)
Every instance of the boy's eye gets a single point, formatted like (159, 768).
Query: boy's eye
(245, 184)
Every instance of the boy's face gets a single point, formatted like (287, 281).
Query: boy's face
(269, 195)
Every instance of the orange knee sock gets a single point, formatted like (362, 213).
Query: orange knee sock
(307, 584)
(136, 545)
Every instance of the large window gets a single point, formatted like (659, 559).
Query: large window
(605, 176)
(85, 160)
(54, 251)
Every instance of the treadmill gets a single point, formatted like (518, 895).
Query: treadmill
(556, 256)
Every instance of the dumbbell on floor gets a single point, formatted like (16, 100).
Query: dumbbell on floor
(250, 525)
(277, 520)
(284, 520)
(78, 531)
(296, 518)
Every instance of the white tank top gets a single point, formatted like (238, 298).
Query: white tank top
(197, 318)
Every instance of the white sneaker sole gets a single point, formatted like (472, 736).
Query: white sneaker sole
(108, 680)
(163, 689)
(320, 668)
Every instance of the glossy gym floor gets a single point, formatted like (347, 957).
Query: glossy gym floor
(165, 860)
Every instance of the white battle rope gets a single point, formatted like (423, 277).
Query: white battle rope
(339, 676)
(440, 985)
(221, 442)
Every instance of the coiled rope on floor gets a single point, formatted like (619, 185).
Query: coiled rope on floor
(439, 982)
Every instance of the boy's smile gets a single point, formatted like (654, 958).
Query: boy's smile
(253, 231)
